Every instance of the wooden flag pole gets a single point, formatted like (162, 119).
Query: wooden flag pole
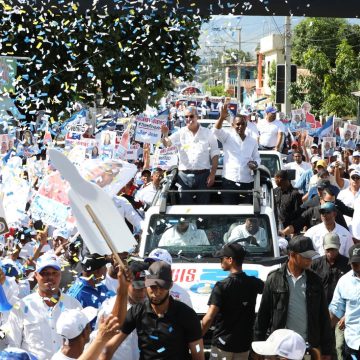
(105, 235)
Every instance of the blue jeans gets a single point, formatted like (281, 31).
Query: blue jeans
(193, 181)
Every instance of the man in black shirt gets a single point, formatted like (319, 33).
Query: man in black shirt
(331, 267)
(311, 216)
(232, 303)
(287, 200)
(166, 328)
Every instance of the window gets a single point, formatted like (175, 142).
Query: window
(196, 237)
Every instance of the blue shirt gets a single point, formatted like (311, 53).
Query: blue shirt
(346, 301)
(303, 182)
(88, 295)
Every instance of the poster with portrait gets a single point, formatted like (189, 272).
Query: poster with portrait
(107, 144)
(4, 141)
(51, 203)
(109, 174)
(328, 146)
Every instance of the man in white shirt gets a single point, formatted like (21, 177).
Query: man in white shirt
(328, 225)
(271, 131)
(351, 193)
(241, 157)
(298, 165)
(183, 234)
(250, 228)
(197, 146)
(32, 321)
(147, 193)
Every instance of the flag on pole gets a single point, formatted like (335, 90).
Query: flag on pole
(326, 129)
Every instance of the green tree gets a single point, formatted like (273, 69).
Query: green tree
(218, 90)
(131, 57)
(328, 49)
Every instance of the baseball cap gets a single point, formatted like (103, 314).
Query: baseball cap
(47, 260)
(138, 269)
(303, 246)
(322, 163)
(64, 233)
(353, 167)
(159, 255)
(282, 342)
(72, 322)
(331, 241)
(322, 183)
(244, 112)
(294, 143)
(354, 254)
(92, 262)
(271, 109)
(356, 153)
(159, 273)
(12, 353)
(355, 172)
(233, 249)
(314, 145)
(315, 158)
(327, 207)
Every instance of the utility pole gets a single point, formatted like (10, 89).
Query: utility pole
(287, 64)
(239, 68)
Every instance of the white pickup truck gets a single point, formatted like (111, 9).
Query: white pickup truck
(195, 269)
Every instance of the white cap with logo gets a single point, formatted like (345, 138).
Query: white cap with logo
(160, 255)
(282, 342)
(72, 322)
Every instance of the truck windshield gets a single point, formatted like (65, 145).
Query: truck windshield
(271, 161)
(195, 236)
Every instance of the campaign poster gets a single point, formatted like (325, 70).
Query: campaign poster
(4, 141)
(148, 130)
(109, 174)
(328, 146)
(133, 152)
(51, 203)
(107, 144)
(165, 158)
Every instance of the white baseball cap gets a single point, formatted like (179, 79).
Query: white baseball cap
(315, 158)
(72, 322)
(356, 153)
(282, 342)
(159, 255)
(49, 259)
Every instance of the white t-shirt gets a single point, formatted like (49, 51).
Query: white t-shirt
(252, 130)
(237, 154)
(356, 220)
(269, 132)
(317, 233)
(195, 151)
(348, 198)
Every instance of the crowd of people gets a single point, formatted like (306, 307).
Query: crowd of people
(58, 301)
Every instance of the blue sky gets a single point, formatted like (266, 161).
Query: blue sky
(220, 31)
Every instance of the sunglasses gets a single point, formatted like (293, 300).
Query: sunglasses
(189, 116)
(355, 178)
